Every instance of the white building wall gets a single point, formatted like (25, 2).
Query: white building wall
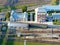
(36, 10)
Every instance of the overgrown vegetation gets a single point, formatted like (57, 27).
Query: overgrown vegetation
(0, 9)
(55, 2)
(24, 8)
(28, 5)
(50, 12)
(56, 22)
(7, 15)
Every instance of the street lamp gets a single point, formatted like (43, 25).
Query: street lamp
(24, 42)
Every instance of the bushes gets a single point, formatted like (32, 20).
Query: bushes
(1, 9)
(7, 16)
(28, 5)
(24, 8)
(55, 2)
(11, 7)
(56, 22)
(50, 12)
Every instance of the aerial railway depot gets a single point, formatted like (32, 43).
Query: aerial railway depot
(36, 26)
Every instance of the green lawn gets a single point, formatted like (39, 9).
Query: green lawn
(22, 43)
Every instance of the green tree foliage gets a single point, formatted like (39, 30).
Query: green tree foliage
(24, 8)
(0, 10)
(56, 21)
(55, 2)
(11, 8)
(7, 16)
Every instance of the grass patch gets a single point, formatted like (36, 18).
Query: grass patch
(28, 43)
(9, 43)
(56, 22)
(18, 43)
(28, 5)
(1, 41)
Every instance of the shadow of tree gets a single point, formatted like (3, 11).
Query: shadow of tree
(2, 37)
(10, 42)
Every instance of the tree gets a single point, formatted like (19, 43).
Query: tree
(0, 9)
(11, 8)
(55, 2)
(7, 15)
(24, 8)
